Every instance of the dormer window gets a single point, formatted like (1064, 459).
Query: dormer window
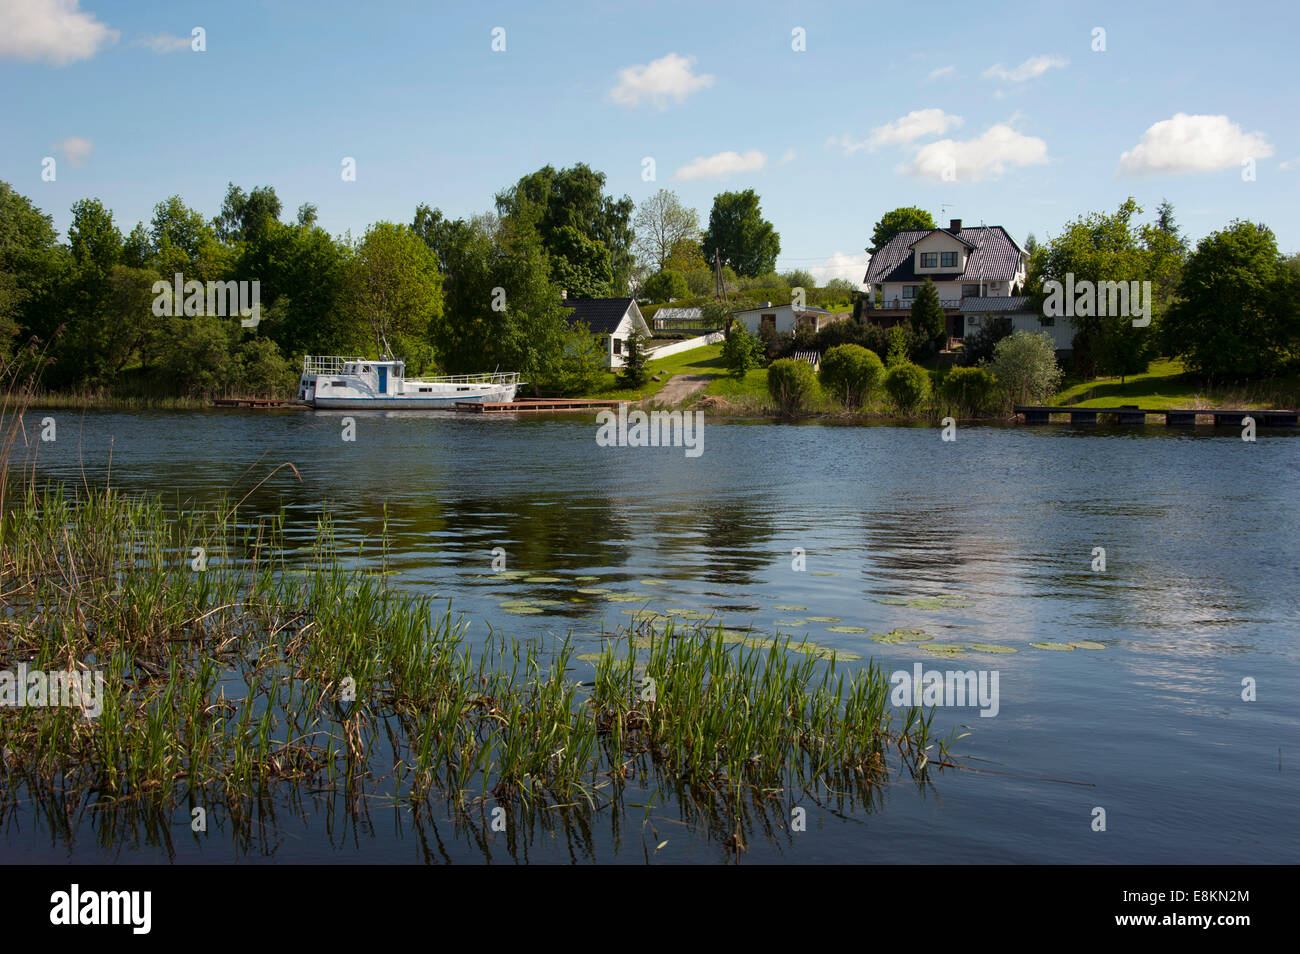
(929, 259)
(948, 259)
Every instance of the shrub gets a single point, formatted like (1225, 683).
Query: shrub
(851, 373)
(634, 372)
(900, 345)
(791, 384)
(907, 385)
(741, 352)
(1025, 365)
(968, 390)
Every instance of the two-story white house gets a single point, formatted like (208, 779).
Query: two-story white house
(975, 271)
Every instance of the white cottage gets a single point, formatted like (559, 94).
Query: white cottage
(614, 319)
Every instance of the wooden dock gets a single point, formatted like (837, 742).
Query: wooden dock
(535, 404)
(253, 402)
(1174, 417)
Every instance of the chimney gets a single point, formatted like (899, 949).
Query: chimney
(954, 225)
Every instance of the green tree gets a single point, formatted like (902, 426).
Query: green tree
(665, 286)
(895, 221)
(549, 201)
(394, 287)
(1237, 313)
(742, 351)
(968, 390)
(30, 263)
(851, 373)
(662, 225)
(634, 372)
(1025, 365)
(740, 235)
(928, 318)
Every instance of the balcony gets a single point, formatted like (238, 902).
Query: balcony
(905, 304)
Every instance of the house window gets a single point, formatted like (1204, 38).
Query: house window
(618, 345)
(970, 291)
(909, 291)
(929, 259)
(948, 259)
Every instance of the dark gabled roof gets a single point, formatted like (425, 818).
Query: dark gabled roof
(994, 304)
(995, 256)
(949, 232)
(602, 315)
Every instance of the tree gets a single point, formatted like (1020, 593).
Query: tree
(662, 224)
(1237, 313)
(549, 201)
(977, 347)
(968, 390)
(739, 234)
(634, 362)
(895, 221)
(741, 351)
(928, 318)
(394, 287)
(851, 373)
(30, 261)
(1101, 248)
(665, 285)
(1025, 365)
(799, 278)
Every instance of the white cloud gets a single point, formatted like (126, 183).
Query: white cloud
(902, 131)
(1289, 164)
(1192, 144)
(788, 156)
(984, 157)
(75, 150)
(722, 164)
(1031, 68)
(839, 265)
(162, 43)
(55, 31)
(941, 72)
(658, 81)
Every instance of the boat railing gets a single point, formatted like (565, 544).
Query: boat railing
(335, 364)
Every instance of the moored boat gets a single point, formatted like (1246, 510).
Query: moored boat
(357, 383)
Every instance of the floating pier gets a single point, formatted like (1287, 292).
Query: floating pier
(1174, 417)
(534, 404)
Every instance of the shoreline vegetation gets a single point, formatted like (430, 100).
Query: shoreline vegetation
(239, 675)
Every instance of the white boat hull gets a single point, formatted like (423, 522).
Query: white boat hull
(409, 401)
(357, 384)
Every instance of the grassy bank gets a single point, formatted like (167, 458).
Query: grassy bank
(268, 673)
(1167, 384)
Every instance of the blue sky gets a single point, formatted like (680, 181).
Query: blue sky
(1031, 125)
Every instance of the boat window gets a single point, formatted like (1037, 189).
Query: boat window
(365, 369)
(423, 390)
(339, 384)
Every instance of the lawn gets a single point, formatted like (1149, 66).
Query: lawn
(1167, 384)
(706, 360)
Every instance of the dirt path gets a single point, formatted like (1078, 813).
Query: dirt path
(678, 389)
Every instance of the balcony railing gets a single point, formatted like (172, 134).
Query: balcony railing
(900, 304)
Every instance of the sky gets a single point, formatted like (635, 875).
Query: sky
(1019, 115)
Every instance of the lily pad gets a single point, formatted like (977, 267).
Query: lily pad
(592, 590)
(543, 579)
(846, 629)
(902, 636)
(1058, 647)
(823, 619)
(791, 622)
(590, 657)
(523, 610)
(586, 579)
(1087, 644)
(788, 608)
(945, 649)
(992, 648)
(653, 582)
(823, 574)
(688, 614)
(926, 602)
(627, 597)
